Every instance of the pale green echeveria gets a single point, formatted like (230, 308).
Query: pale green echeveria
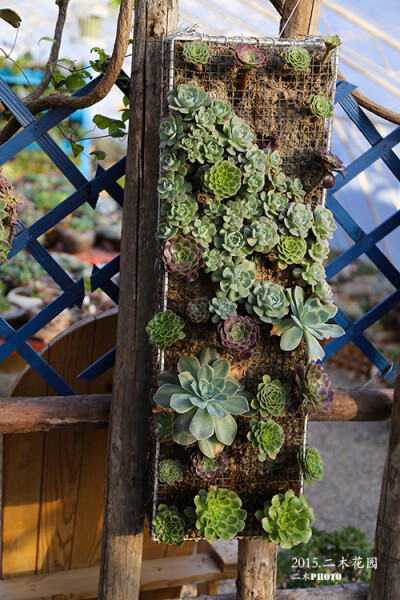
(273, 202)
(318, 250)
(223, 179)
(171, 160)
(254, 160)
(297, 58)
(172, 186)
(210, 150)
(308, 320)
(205, 398)
(203, 230)
(191, 147)
(290, 250)
(294, 189)
(320, 105)
(296, 219)
(221, 110)
(323, 291)
(274, 160)
(197, 133)
(234, 214)
(221, 308)
(262, 235)
(219, 514)
(253, 182)
(324, 224)
(171, 131)
(205, 119)
(278, 181)
(268, 301)
(267, 437)
(165, 229)
(233, 241)
(236, 280)
(272, 397)
(196, 52)
(310, 272)
(252, 206)
(181, 213)
(187, 99)
(237, 135)
(213, 260)
(214, 208)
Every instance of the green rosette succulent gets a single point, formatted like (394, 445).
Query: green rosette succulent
(181, 213)
(171, 131)
(252, 206)
(222, 308)
(198, 310)
(332, 41)
(311, 465)
(236, 136)
(262, 235)
(196, 52)
(296, 219)
(183, 257)
(214, 208)
(268, 301)
(297, 58)
(169, 526)
(310, 272)
(290, 250)
(318, 249)
(172, 186)
(209, 469)
(253, 161)
(323, 291)
(295, 189)
(213, 260)
(273, 202)
(309, 319)
(234, 213)
(210, 150)
(205, 398)
(223, 179)
(221, 110)
(171, 160)
(191, 148)
(187, 99)
(286, 520)
(253, 182)
(272, 397)
(324, 223)
(236, 280)
(165, 329)
(163, 426)
(313, 387)
(203, 231)
(233, 241)
(278, 181)
(320, 105)
(165, 230)
(267, 437)
(274, 160)
(219, 514)
(205, 121)
(170, 471)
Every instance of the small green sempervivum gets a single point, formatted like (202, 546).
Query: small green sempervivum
(332, 41)
(213, 260)
(203, 230)
(274, 202)
(172, 186)
(324, 223)
(165, 230)
(254, 160)
(296, 219)
(198, 310)
(170, 471)
(171, 131)
(308, 319)
(221, 307)
(183, 257)
(314, 388)
(214, 208)
(240, 335)
(233, 241)
(278, 181)
(205, 121)
(253, 182)
(223, 179)
(311, 465)
(219, 514)
(172, 160)
(268, 301)
(196, 52)
(236, 280)
(262, 234)
(208, 469)
(191, 148)
(181, 213)
(274, 160)
(221, 110)
(205, 398)
(165, 328)
(294, 188)
(237, 135)
(252, 206)
(210, 150)
(297, 58)
(310, 272)
(163, 426)
(187, 99)
(286, 520)
(272, 397)
(320, 105)
(250, 57)
(234, 214)
(323, 291)
(169, 525)
(318, 250)
(290, 250)
(267, 438)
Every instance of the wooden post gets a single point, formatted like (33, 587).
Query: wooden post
(256, 579)
(301, 20)
(385, 580)
(129, 418)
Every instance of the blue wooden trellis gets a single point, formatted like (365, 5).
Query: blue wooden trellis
(87, 191)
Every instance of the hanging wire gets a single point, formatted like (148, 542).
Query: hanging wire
(290, 16)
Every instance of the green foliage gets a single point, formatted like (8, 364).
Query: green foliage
(181, 214)
(208, 469)
(314, 388)
(311, 465)
(237, 136)
(290, 250)
(213, 260)
(223, 179)
(20, 270)
(183, 257)
(318, 249)
(210, 150)
(173, 186)
(214, 208)
(262, 235)
(165, 329)
(272, 397)
(296, 219)
(169, 525)
(320, 105)
(310, 272)
(203, 230)
(236, 280)
(267, 437)
(187, 99)
(324, 223)
(171, 131)
(219, 514)
(221, 110)
(250, 57)
(234, 214)
(10, 17)
(165, 230)
(253, 182)
(221, 307)
(297, 58)
(163, 427)
(274, 202)
(332, 41)
(233, 241)
(252, 206)
(295, 189)
(196, 52)
(268, 301)
(323, 291)
(170, 471)
(171, 160)
(198, 310)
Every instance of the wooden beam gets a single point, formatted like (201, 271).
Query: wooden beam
(348, 591)
(358, 404)
(300, 18)
(257, 564)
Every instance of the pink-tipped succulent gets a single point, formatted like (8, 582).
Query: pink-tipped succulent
(329, 161)
(313, 388)
(208, 469)
(240, 335)
(198, 310)
(250, 57)
(183, 257)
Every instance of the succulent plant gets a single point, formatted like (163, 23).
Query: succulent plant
(274, 159)
(296, 219)
(267, 437)
(278, 181)
(223, 179)
(294, 189)
(213, 260)
(237, 135)
(253, 182)
(234, 213)
(221, 110)
(169, 525)
(323, 291)
(290, 250)
(198, 310)
(205, 398)
(311, 465)
(196, 52)
(252, 206)
(163, 426)
(308, 319)
(181, 213)
(191, 148)
(332, 41)
(313, 387)
(171, 160)
(262, 235)
(165, 328)
(208, 469)
(273, 202)
(254, 160)
(318, 250)
(268, 301)
(240, 335)
(219, 514)
(210, 150)
(214, 208)
(329, 161)
(310, 272)
(236, 280)
(250, 57)
(203, 230)
(320, 105)
(297, 58)
(172, 186)
(272, 397)
(233, 241)
(171, 130)
(170, 471)
(286, 520)
(165, 230)
(183, 257)
(205, 120)
(324, 223)
(221, 307)
(187, 99)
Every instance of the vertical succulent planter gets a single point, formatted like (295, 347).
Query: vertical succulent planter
(243, 233)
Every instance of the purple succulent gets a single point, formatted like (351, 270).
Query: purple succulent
(250, 57)
(314, 388)
(240, 335)
(198, 310)
(329, 161)
(183, 257)
(208, 469)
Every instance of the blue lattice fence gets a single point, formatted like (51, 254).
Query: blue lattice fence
(87, 191)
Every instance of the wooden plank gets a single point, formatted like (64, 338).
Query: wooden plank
(256, 570)
(358, 404)
(348, 591)
(223, 553)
